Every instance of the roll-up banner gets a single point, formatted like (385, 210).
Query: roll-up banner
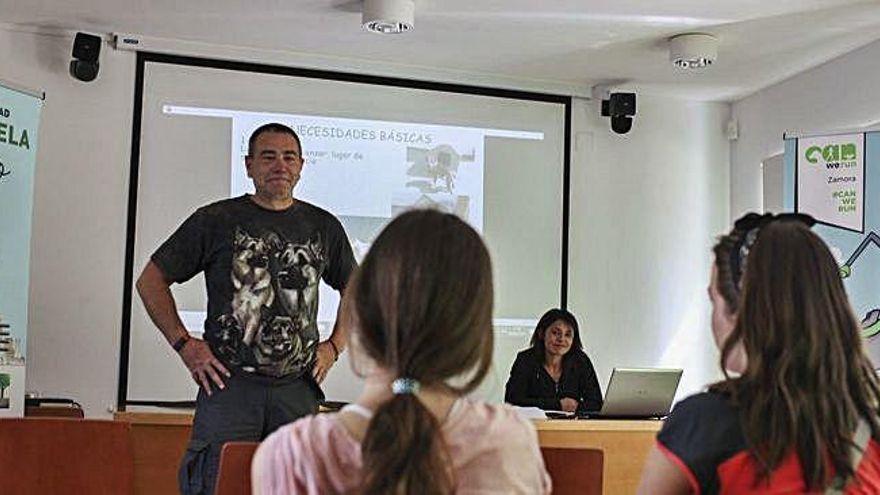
(19, 126)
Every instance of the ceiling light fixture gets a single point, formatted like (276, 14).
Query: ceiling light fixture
(388, 16)
(693, 50)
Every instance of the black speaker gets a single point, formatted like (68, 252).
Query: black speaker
(620, 107)
(621, 124)
(86, 49)
(622, 104)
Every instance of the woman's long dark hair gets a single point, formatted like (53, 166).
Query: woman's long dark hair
(551, 317)
(807, 381)
(421, 304)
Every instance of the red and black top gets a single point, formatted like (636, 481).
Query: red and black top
(704, 439)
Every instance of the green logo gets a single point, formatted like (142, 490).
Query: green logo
(833, 154)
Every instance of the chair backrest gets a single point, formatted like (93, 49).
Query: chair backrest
(59, 455)
(234, 475)
(574, 470)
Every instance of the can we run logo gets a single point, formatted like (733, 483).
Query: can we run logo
(835, 155)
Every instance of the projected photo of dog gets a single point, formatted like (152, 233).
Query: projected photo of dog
(434, 169)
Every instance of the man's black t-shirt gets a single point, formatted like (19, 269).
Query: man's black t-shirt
(262, 270)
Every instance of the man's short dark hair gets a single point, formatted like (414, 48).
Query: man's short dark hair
(271, 127)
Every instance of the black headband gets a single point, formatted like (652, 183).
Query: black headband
(750, 225)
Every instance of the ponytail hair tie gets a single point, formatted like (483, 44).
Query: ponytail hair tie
(404, 386)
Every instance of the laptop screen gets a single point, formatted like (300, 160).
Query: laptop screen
(640, 392)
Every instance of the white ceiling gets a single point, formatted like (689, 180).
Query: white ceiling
(572, 42)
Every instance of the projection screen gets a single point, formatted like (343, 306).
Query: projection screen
(373, 147)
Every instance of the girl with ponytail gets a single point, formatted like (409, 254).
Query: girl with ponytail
(420, 313)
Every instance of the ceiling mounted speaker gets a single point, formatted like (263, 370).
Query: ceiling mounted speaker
(86, 50)
(693, 51)
(388, 16)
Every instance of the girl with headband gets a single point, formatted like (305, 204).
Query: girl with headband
(797, 409)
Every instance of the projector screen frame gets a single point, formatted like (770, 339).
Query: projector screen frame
(143, 58)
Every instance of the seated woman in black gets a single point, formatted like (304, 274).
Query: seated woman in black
(554, 373)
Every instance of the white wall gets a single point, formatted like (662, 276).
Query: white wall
(645, 208)
(840, 94)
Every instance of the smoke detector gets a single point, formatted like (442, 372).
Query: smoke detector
(388, 16)
(693, 50)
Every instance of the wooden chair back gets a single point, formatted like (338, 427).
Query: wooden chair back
(234, 475)
(62, 455)
(574, 471)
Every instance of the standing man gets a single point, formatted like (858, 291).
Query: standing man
(263, 256)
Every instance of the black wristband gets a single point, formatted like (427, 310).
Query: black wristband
(179, 343)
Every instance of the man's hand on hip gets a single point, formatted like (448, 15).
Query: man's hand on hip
(326, 356)
(203, 365)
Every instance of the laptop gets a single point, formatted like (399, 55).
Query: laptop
(638, 393)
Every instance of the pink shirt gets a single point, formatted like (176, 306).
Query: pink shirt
(493, 451)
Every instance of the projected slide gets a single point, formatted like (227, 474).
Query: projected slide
(367, 171)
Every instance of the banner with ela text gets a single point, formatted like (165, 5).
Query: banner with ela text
(19, 124)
